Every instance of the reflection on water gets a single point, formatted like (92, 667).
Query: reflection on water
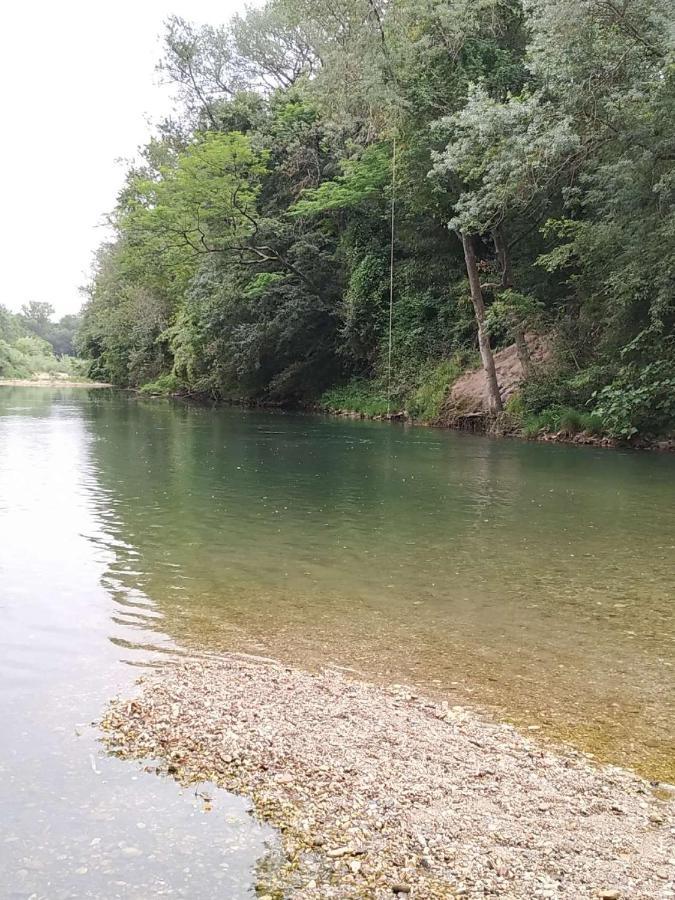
(537, 580)
(534, 579)
(76, 823)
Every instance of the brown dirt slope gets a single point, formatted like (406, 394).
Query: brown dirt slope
(468, 395)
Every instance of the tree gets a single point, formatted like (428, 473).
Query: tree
(252, 242)
(37, 315)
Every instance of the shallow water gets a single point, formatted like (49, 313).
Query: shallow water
(535, 580)
(75, 822)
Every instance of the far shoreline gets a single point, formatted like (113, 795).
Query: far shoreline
(52, 382)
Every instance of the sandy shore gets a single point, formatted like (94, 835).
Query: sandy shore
(379, 792)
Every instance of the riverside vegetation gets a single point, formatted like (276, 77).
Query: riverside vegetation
(31, 344)
(528, 145)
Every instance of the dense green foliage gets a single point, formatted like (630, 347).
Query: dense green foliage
(31, 343)
(534, 144)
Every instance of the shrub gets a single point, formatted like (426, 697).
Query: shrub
(639, 401)
(558, 387)
(164, 385)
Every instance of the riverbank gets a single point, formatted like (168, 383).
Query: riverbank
(379, 792)
(52, 382)
(481, 423)
(474, 423)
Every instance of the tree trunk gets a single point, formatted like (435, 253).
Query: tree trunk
(494, 397)
(503, 258)
(523, 352)
(504, 262)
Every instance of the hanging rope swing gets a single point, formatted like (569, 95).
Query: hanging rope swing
(391, 275)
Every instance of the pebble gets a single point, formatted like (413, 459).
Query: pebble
(370, 772)
(337, 852)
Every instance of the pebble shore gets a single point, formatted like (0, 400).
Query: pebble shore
(378, 792)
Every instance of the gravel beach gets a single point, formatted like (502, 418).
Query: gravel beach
(378, 792)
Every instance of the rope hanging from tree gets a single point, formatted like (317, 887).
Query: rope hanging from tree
(391, 275)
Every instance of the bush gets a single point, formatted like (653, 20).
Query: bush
(29, 355)
(164, 385)
(554, 388)
(639, 401)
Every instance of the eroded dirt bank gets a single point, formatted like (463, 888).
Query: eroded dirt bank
(380, 792)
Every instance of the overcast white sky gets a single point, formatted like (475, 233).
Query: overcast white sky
(77, 83)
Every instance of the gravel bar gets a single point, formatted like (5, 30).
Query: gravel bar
(379, 792)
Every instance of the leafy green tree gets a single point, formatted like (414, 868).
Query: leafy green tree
(533, 191)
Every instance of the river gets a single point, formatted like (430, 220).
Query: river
(535, 581)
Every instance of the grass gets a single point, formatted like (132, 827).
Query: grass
(366, 398)
(422, 397)
(436, 380)
(563, 419)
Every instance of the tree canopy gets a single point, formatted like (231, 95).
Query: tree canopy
(534, 192)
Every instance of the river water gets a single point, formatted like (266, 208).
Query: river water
(536, 581)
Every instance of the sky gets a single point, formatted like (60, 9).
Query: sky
(77, 88)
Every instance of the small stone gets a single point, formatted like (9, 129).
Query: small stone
(337, 852)
(665, 788)
(663, 873)
(400, 888)
(609, 894)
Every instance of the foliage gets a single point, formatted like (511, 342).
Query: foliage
(167, 385)
(251, 254)
(363, 179)
(562, 420)
(435, 380)
(640, 400)
(30, 343)
(361, 397)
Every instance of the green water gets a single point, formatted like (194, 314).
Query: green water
(535, 580)
(76, 823)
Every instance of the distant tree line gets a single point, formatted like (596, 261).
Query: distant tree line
(534, 193)
(31, 342)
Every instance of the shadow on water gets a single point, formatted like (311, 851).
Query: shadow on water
(75, 822)
(534, 580)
